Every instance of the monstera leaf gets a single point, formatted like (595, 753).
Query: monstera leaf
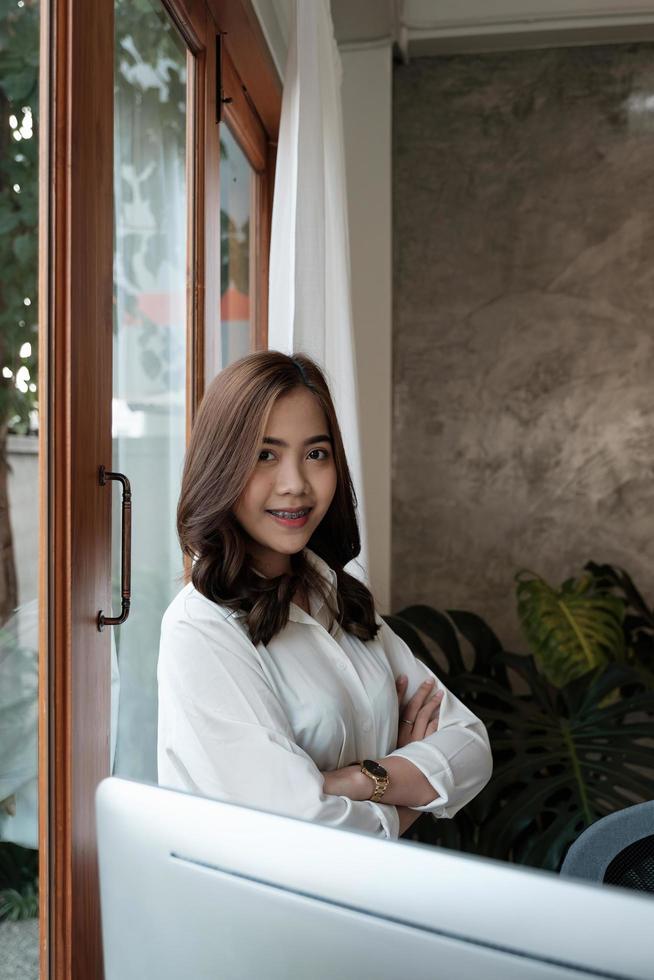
(571, 630)
(638, 623)
(443, 630)
(562, 756)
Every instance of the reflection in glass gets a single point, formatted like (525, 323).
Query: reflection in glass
(149, 355)
(236, 187)
(19, 508)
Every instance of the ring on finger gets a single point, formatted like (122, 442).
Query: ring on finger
(405, 721)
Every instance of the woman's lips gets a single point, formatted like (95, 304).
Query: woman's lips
(294, 522)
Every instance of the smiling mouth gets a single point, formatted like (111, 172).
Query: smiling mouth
(291, 518)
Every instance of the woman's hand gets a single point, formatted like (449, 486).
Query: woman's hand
(423, 710)
(348, 781)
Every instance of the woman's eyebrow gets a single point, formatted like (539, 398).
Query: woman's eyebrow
(307, 442)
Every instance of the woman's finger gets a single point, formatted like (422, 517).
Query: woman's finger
(432, 727)
(418, 699)
(428, 707)
(435, 718)
(424, 716)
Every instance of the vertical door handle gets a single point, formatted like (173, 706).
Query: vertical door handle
(126, 556)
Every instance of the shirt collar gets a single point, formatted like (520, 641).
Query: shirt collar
(321, 566)
(316, 601)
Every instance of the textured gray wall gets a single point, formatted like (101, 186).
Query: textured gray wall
(523, 429)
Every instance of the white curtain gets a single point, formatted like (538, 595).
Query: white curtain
(310, 307)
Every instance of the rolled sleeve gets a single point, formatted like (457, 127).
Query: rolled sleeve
(223, 732)
(388, 818)
(456, 759)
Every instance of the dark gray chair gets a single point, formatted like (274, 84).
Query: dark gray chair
(618, 850)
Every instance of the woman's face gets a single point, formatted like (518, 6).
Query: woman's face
(295, 471)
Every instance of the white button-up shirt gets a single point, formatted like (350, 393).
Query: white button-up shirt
(256, 725)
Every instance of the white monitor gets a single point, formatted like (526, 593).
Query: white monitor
(198, 889)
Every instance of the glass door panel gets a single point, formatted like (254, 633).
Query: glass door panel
(149, 354)
(19, 488)
(238, 184)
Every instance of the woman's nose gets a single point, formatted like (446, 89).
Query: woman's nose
(292, 478)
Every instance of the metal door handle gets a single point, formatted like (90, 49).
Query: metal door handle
(126, 556)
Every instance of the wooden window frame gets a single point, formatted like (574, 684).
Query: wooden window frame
(252, 109)
(75, 354)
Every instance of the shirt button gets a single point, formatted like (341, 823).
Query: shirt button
(366, 726)
(341, 665)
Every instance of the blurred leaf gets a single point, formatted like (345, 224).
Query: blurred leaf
(19, 74)
(438, 628)
(570, 630)
(18, 882)
(561, 762)
(16, 905)
(9, 220)
(638, 623)
(563, 757)
(19, 85)
(23, 246)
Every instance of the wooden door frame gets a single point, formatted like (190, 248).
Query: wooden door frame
(75, 289)
(75, 379)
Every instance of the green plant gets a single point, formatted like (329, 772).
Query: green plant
(19, 78)
(570, 630)
(19, 896)
(15, 905)
(638, 622)
(19, 74)
(563, 755)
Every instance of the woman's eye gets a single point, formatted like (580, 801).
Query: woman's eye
(267, 452)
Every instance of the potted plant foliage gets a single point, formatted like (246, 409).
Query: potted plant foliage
(571, 723)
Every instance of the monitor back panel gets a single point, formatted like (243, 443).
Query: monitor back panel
(196, 888)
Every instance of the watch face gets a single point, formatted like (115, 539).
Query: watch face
(375, 768)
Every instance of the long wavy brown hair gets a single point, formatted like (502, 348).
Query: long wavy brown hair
(223, 451)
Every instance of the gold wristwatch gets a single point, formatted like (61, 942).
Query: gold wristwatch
(379, 776)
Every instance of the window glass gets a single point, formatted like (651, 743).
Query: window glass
(19, 482)
(149, 362)
(236, 210)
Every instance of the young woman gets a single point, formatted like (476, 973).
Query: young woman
(280, 686)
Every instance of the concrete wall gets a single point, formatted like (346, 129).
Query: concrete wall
(523, 342)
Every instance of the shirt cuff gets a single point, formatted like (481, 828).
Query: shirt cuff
(388, 817)
(456, 771)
